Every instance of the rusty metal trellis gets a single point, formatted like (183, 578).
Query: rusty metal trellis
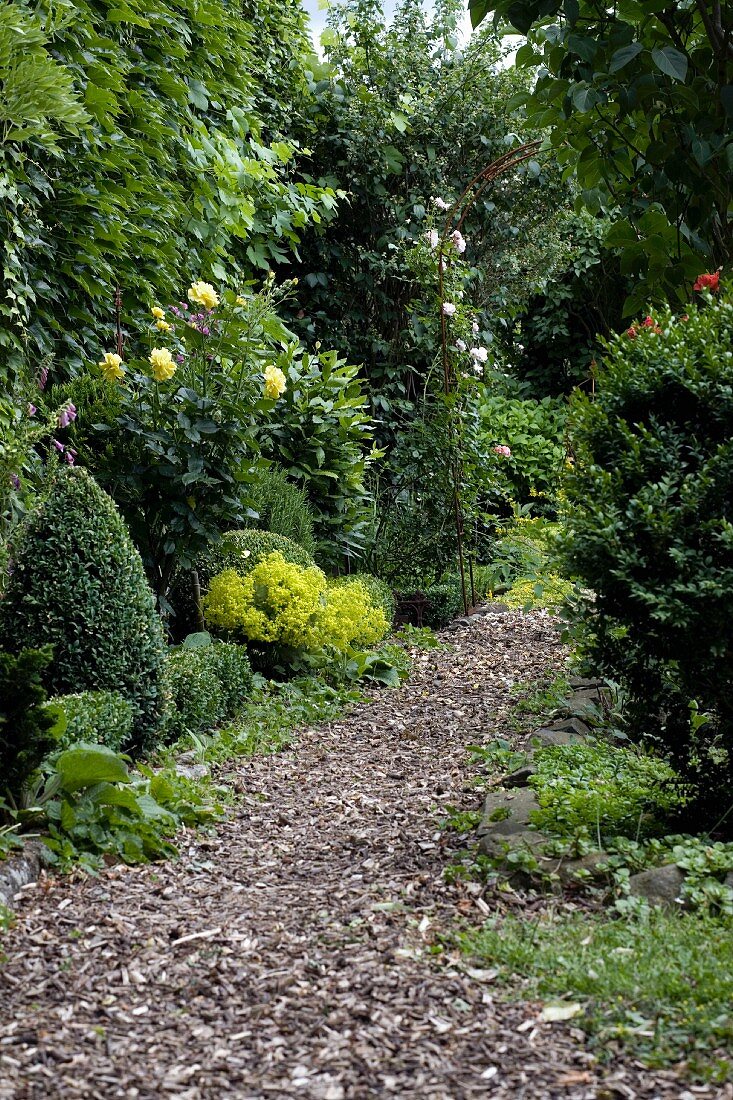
(460, 209)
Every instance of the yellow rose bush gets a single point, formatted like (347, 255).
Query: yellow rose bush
(191, 397)
(289, 605)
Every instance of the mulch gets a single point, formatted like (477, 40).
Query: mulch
(290, 955)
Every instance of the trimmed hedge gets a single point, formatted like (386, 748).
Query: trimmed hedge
(78, 584)
(205, 685)
(97, 717)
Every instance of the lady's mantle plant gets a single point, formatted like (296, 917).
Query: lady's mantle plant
(192, 390)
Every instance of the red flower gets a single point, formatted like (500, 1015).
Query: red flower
(631, 333)
(648, 322)
(708, 282)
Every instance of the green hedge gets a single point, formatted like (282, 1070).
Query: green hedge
(78, 585)
(205, 685)
(97, 717)
(650, 531)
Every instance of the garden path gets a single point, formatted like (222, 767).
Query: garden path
(289, 955)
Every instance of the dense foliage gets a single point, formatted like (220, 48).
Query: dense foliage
(133, 150)
(283, 508)
(403, 113)
(25, 722)
(650, 531)
(206, 684)
(78, 585)
(283, 603)
(96, 717)
(639, 100)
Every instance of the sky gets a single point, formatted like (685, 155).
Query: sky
(318, 17)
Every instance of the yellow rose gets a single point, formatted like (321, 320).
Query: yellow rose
(111, 367)
(204, 295)
(241, 301)
(158, 312)
(163, 326)
(162, 364)
(275, 384)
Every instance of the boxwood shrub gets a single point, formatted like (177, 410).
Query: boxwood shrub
(98, 717)
(78, 585)
(650, 531)
(205, 685)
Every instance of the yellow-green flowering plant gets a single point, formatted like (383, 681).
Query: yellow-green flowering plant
(193, 383)
(288, 605)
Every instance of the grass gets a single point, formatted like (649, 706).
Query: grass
(660, 984)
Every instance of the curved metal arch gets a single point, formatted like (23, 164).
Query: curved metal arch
(460, 208)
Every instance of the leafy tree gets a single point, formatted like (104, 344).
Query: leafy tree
(402, 113)
(638, 97)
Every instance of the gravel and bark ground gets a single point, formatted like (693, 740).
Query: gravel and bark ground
(289, 955)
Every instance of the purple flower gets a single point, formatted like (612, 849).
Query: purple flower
(32, 410)
(15, 481)
(69, 458)
(59, 446)
(66, 415)
(205, 330)
(180, 358)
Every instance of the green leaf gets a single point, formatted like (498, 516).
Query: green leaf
(200, 640)
(84, 765)
(671, 62)
(623, 56)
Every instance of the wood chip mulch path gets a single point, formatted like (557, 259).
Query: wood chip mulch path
(289, 955)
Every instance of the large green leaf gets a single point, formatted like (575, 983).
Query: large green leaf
(671, 61)
(85, 765)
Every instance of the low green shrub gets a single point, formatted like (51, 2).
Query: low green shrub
(243, 550)
(434, 606)
(231, 665)
(379, 591)
(97, 717)
(195, 697)
(78, 585)
(26, 723)
(207, 683)
(445, 602)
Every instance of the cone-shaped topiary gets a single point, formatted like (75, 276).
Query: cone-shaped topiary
(78, 584)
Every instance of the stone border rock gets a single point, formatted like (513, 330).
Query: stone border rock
(21, 870)
(506, 833)
(520, 850)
